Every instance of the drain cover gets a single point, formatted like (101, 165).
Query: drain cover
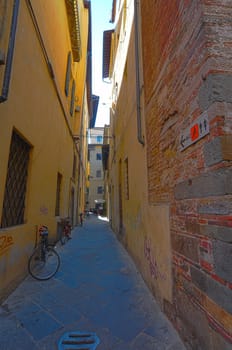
(78, 341)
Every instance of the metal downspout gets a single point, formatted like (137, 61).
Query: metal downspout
(9, 60)
(137, 70)
(80, 165)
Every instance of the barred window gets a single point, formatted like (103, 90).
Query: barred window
(99, 139)
(98, 173)
(16, 182)
(100, 190)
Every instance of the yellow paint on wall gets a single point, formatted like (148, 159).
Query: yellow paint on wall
(38, 110)
(143, 228)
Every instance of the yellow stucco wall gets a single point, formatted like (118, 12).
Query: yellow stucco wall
(38, 110)
(144, 229)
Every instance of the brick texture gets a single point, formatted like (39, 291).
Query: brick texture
(187, 73)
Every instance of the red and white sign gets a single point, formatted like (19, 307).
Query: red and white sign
(194, 132)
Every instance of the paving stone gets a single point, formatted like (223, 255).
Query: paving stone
(97, 289)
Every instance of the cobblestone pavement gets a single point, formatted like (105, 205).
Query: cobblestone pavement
(97, 289)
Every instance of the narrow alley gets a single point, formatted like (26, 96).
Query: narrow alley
(97, 289)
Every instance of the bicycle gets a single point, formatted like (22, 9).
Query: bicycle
(65, 235)
(81, 219)
(44, 261)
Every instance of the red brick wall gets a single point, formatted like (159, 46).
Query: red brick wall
(187, 56)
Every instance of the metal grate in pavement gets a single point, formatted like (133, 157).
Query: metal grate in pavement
(78, 341)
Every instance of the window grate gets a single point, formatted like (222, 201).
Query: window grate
(16, 182)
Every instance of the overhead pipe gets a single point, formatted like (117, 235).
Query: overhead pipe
(137, 70)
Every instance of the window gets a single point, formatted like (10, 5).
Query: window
(68, 74)
(16, 182)
(100, 190)
(58, 194)
(99, 139)
(98, 173)
(98, 156)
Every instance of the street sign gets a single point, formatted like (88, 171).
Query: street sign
(194, 132)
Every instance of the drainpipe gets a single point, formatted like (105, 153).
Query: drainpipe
(80, 167)
(9, 60)
(137, 70)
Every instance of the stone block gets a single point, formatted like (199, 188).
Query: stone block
(217, 314)
(216, 88)
(194, 323)
(215, 207)
(217, 150)
(219, 342)
(213, 152)
(223, 318)
(227, 147)
(215, 183)
(186, 246)
(217, 232)
(218, 292)
(222, 254)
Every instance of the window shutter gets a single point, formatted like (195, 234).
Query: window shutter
(68, 73)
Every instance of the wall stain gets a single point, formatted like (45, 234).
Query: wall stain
(153, 265)
(43, 210)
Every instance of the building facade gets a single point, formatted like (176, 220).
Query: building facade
(44, 108)
(96, 174)
(170, 157)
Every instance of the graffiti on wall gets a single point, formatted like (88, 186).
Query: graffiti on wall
(43, 210)
(155, 271)
(5, 243)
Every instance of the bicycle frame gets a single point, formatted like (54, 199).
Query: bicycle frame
(65, 233)
(44, 261)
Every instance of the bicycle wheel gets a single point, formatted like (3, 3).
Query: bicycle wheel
(44, 265)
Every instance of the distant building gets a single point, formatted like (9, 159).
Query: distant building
(105, 163)
(96, 175)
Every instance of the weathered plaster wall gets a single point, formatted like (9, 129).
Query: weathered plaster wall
(142, 227)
